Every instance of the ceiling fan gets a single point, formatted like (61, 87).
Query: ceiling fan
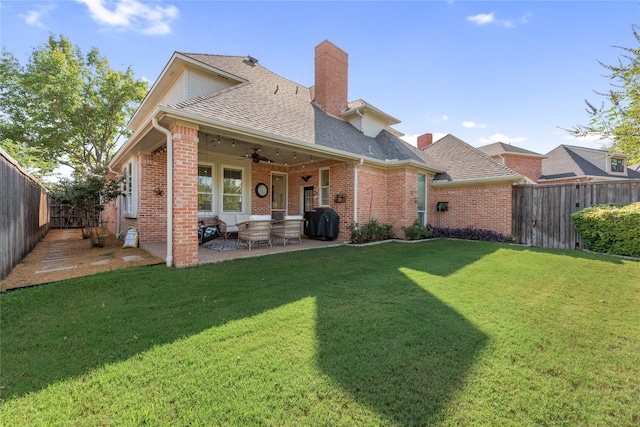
(257, 157)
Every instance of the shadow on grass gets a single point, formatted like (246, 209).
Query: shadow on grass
(389, 343)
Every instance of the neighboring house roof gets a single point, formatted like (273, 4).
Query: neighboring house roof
(500, 148)
(465, 164)
(567, 161)
(274, 105)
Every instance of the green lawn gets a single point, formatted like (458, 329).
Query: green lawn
(434, 333)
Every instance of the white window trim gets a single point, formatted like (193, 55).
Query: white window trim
(246, 185)
(327, 187)
(214, 174)
(133, 212)
(624, 165)
(426, 200)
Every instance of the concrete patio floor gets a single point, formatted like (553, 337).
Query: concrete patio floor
(206, 255)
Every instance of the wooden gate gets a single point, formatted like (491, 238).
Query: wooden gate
(542, 213)
(64, 216)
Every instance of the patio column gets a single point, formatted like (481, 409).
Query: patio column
(185, 195)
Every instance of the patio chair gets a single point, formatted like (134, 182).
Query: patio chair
(257, 229)
(288, 228)
(229, 223)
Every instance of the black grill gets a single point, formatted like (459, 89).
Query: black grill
(322, 224)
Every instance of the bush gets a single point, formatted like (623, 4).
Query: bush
(416, 231)
(371, 232)
(610, 228)
(470, 234)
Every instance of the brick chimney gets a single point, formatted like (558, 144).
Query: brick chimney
(424, 141)
(331, 68)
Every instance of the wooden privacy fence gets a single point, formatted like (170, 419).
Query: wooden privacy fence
(542, 213)
(24, 213)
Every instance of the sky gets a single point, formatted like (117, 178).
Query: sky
(485, 71)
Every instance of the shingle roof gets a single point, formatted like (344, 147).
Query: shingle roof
(270, 103)
(567, 161)
(501, 148)
(462, 162)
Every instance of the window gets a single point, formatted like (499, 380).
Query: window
(232, 190)
(421, 199)
(325, 193)
(129, 202)
(617, 165)
(205, 188)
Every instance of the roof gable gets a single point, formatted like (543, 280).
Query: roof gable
(501, 148)
(463, 162)
(567, 161)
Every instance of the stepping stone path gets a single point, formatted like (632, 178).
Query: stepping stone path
(56, 257)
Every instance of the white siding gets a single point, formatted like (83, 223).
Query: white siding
(372, 127)
(200, 84)
(175, 93)
(190, 84)
(368, 125)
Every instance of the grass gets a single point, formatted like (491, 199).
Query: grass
(432, 333)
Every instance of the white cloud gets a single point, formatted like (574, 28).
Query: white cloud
(474, 125)
(34, 17)
(133, 14)
(489, 18)
(500, 137)
(481, 18)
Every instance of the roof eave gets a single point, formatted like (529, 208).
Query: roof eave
(164, 111)
(177, 61)
(477, 181)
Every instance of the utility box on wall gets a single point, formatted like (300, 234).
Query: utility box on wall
(442, 206)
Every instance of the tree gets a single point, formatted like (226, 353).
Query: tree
(88, 196)
(65, 108)
(618, 119)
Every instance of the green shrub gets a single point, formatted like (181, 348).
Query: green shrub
(611, 228)
(416, 231)
(371, 232)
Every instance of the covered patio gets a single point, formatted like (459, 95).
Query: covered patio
(207, 256)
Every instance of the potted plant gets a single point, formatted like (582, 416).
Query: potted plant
(339, 198)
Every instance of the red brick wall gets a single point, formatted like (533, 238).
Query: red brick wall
(185, 196)
(152, 208)
(530, 167)
(485, 207)
(388, 196)
(331, 78)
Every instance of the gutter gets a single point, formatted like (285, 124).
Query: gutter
(290, 142)
(480, 181)
(156, 125)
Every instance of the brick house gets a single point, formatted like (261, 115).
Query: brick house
(525, 162)
(568, 163)
(212, 128)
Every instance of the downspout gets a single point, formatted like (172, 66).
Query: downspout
(167, 132)
(355, 189)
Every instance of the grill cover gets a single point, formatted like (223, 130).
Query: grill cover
(322, 224)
